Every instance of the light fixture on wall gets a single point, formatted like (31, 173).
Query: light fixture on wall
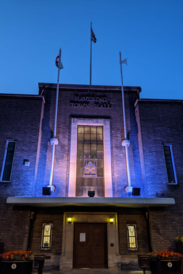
(91, 193)
(111, 220)
(69, 220)
(26, 162)
(46, 191)
(136, 191)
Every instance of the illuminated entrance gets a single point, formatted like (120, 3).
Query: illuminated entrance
(90, 245)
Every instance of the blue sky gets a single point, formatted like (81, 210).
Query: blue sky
(147, 32)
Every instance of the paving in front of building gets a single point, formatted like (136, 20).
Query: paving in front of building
(95, 271)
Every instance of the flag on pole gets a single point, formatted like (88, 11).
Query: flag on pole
(93, 38)
(58, 63)
(124, 61)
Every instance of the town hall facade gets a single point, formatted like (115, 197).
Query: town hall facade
(90, 220)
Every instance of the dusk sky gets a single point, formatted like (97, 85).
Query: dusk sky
(147, 32)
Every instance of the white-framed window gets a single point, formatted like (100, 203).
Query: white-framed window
(46, 239)
(170, 165)
(8, 161)
(132, 237)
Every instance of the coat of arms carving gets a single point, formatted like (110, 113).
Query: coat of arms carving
(90, 169)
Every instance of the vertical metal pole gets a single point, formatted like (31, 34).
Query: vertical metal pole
(125, 142)
(54, 140)
(90, 54)
(123, 99)
(57, 94)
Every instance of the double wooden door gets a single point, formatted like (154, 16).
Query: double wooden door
(90, 245)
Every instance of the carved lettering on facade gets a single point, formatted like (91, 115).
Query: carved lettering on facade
(83, 101)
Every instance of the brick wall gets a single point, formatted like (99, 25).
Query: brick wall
(54, 216)
(14, 226)
(132, 216)
(20, 121)
(162, 122)
(65, 112)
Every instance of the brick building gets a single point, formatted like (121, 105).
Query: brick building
(72, 229)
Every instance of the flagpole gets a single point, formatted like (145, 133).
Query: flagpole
(125, 142)
(54, 140)
(90, 53)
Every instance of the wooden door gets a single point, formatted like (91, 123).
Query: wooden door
(90, 246)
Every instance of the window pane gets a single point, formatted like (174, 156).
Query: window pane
(47, 236)
(169, 164)
(90, 172)
(86, 146)
(90, 181)
(99, 154)
(8, 161)
(87, 136)
(131, 230)
(100, 163)
(80, 129)
(86, 153)
(79, 162)
(79, 181)
(100, 172)
(99, 146)
(79, 172)
(80, 154)
(93, 130)
(80, 137)
(87, 129)
(100, 182)
(93, 147)
(93, 154)
(99, 137)
(99, 130)
(93, 137)
(80, 146)
(132, 236)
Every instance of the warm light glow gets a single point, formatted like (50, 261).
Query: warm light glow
(69, 220)
(111, 220)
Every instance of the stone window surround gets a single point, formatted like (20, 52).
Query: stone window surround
(42, 236)
(4, 160)
(107, 153)
(173, 163)
(136, 241)
(66, 260)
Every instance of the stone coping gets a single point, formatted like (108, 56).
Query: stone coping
(89, 202)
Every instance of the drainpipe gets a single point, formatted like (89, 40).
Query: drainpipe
(32, 218)
(148, 229)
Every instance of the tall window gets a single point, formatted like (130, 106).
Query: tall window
(170, 166)
(46, 236)
(8, 161)
(90, 162)
(132, 237)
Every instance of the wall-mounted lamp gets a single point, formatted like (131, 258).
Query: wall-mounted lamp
(111, 220)
(69, 220)
(26, 162)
